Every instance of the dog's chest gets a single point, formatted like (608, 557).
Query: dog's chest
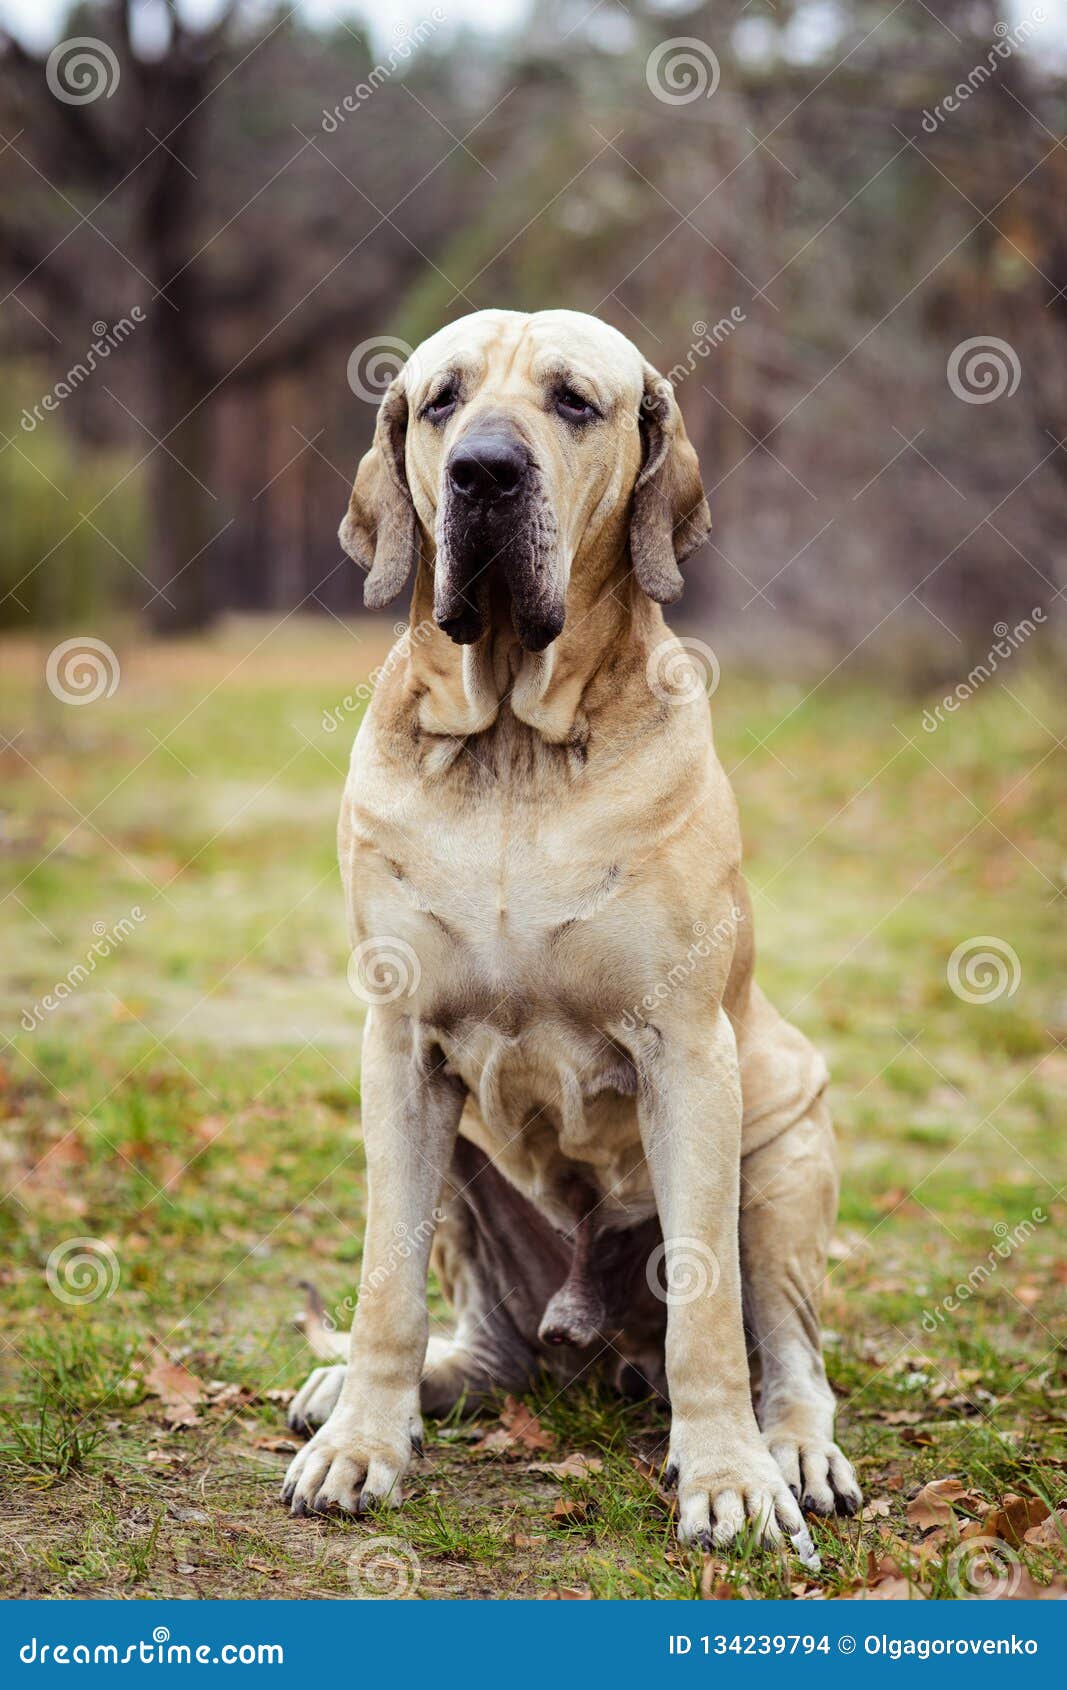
(518, 936)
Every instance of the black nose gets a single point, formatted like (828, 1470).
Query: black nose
(484, 467)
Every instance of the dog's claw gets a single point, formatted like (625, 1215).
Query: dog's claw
(810, 1506)
(670, 1477)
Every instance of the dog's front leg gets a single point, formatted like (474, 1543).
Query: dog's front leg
(411, 1111)
(690, 1119)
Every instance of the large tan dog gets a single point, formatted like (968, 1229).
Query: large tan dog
(568, 1072)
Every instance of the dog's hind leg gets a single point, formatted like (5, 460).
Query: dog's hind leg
(788, 1208)
(498, 1263)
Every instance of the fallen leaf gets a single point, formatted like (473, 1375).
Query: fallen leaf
(570, 1593)
(717, 1581)
(278, 1445)
(177, 1389)
(903, 1417)
(574, 1466)
(518, 1429)
(569, 1508)
(1051, 1533)
(261, 1567)
(1014, 1518)
(520, 1541)
(877, 1509)
(935, 1503)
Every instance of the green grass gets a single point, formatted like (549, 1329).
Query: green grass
(193, 1105)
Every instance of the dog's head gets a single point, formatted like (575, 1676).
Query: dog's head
(519, 452)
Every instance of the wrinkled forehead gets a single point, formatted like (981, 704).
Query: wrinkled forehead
(510, 348)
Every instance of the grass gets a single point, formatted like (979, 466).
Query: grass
(191, 1105)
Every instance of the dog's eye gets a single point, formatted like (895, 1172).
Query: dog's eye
(573, 407)
(442, 405)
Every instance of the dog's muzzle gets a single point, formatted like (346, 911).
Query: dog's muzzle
(496, 528)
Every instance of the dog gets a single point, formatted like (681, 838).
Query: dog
(573, 1091)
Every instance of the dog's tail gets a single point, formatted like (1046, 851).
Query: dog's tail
(319, 1329)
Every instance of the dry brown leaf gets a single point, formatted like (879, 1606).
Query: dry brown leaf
(518, 1430)
(574, 1466)
(902, 1417)
(717, 1581)
(877, 1508)
(1013, 1519)
(1051, 1533)
(570, 1593)
(520, 1541)
(177, 1389)
(278, 1445)
(935, 1503)
(569, 1508)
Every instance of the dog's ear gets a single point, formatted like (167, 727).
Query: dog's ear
(669, 517)
(380, 529)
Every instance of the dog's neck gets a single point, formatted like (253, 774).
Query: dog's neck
(464, 688)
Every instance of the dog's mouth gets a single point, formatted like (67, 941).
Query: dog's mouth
(497, 545)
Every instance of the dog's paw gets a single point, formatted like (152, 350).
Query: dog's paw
(346, 1469)
(725, 1486)
(818, 1474)
(316, 1399)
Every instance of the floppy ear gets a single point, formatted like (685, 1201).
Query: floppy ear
(669, 517)
(380, 529)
